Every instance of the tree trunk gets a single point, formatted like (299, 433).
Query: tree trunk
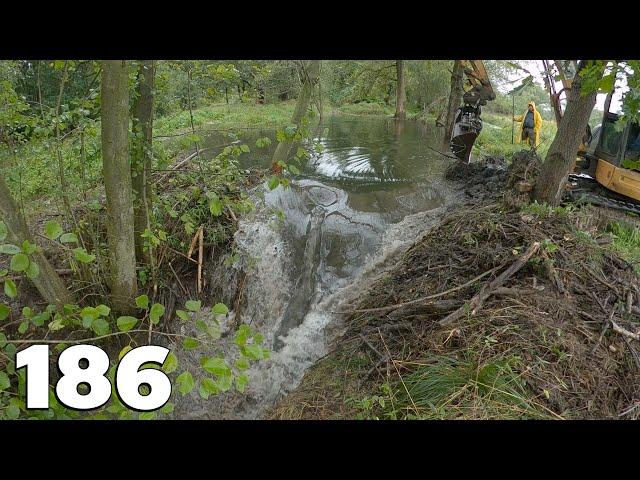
(48, 282)
(564, 148)
(311, 75)
(141, 158)
(455, 98)
(401, 97)
(114, 114)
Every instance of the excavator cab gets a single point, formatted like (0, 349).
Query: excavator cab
(613, 156)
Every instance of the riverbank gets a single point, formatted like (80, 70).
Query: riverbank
(504, 309)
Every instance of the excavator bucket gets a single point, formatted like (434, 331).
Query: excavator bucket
(462, 144)
(466, 129)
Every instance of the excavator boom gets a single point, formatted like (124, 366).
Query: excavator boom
(468, 123)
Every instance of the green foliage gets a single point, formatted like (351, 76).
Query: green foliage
(126, 323)
(626, 241)
(544, 210)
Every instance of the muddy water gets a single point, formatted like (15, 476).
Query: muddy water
(373, 188)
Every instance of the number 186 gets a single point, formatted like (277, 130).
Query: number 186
(87, 365)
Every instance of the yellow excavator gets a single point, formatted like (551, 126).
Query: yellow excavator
(606, 169)
(611, 160)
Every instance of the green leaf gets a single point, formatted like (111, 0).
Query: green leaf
(23, 327)
(224, 383)
(4, 311)
(147, 416)
(220, 309)
(69, 238)
(208, 387)
(103, 310)
(142, 302)
(182, 315)
(12, 411)
(9, 248)
(19, 262)
(190, 343)
(245, 148)
(32, 270)
(202, 325)
(27, 312)
(215, 207)
(29, 248)
(185, 382)
(242, 363)
(4, 381)
(216, 365)
(170, 364)
(263, 142)
(606, 83)
(10, 288)
(87, 321)
(126, 323)
(83, 256)
(39, 319)
(242, 335)
(293, 169)
(241, 382)
(3, 231)
(100, 326)
(193, 305)
(52, 229)
(156, 312)
(168, 408)
(273, 182)
(254, 351)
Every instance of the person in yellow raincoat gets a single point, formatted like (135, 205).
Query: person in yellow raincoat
(531, 125)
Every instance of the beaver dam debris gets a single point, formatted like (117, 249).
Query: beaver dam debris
(505, 309)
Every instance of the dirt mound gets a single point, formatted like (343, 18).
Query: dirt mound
(495, 313)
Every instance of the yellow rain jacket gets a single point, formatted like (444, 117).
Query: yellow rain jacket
(537, 124)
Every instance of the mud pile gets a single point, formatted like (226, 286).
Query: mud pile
(500, 311)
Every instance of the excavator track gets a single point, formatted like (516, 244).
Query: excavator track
(588, 191)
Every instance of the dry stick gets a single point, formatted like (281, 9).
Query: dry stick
(93, 339)
(623, 331)
(423, 299)
(554, 273)
(602, 333)
(192, 245)
(200, 259)
(181, 163)
(233, 215)
(476, 302)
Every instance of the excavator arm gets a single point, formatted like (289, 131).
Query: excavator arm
(468, 123)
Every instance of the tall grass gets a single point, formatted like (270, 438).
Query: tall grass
(626, 241)
(446, 387)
